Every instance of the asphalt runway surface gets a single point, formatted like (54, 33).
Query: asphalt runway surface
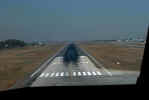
(57, 73)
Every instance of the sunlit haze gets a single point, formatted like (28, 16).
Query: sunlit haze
(31, 20)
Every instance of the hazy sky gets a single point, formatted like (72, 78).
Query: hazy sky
(72, 19)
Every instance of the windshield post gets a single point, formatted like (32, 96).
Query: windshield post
(141, 78)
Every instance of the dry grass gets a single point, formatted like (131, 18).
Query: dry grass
(18, 62)
(109, 54)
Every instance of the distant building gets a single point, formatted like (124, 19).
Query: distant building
(119, 40)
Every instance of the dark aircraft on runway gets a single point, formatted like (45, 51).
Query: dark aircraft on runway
(71, 54)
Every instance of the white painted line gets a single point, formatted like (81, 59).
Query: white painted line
(40, 68)
(56, 63)
(35, 72)
(98, 73)
(52, 74)
(66, 74)
(57, 74)
(74, 74)
(84, 73)
(79, 73)
(107, 71)
(89, 73)
(84, 62)
(100, 65)
(94, 73)
(62, 74)
(82, 56)
(41, 75)
(47, 74)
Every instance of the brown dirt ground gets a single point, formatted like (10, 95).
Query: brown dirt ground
(130, 58)
(18, 62)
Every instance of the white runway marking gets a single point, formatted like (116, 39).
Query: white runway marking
(79, 73)
(84, 73)
(94, 73)
(82, 56)
(84, 62)
(89, 73)
(74, 73)
(52, 75)
(47, 74)
(41, 75)
(62, 74)
(98, 73)
(57, 74)
(35, 72)
(56, 63)
(108, 72)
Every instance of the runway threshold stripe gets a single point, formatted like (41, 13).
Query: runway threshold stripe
(98, 73)
(84, 73)
(47, 74)
(52, 74)
(74, 74)
(41, 75)
(94, 73)
(79, 73)
(89, 73)
(57, 74)
(62, 74)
